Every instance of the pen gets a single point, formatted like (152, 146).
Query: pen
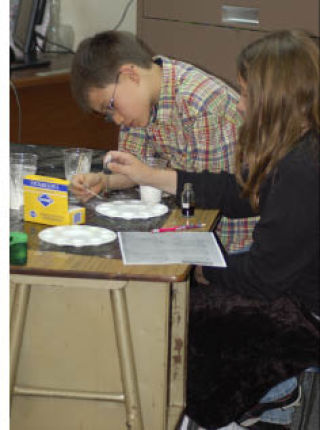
(177, 228)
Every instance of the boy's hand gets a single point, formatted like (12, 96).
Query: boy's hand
(82, 184)
(198, 274)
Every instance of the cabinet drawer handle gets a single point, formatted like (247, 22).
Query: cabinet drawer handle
(240, 15)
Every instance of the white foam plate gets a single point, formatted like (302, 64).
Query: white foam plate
(77, 235)
(131, 209)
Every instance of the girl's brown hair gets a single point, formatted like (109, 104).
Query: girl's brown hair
(281, 73)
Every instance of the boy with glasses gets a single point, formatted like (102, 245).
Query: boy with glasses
(164, 107)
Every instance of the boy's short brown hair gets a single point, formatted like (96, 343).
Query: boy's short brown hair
(97, 61)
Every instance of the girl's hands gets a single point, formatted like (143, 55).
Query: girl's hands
(140, 173)
(129, 165)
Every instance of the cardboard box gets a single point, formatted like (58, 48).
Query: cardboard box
(46, 202)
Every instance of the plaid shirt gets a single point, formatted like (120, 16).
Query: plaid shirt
(194, 127)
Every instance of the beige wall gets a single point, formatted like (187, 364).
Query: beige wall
(90, 16)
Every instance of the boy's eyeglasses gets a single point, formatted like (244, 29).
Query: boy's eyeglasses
(109, 111)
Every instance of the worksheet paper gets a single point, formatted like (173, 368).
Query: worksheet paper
(199, 248)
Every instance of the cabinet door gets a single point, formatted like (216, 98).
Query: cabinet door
(270, 15)
(203, 11)
(252, 14)
(281, 14)
(214, 49)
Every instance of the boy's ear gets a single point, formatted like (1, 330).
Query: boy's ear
(131, 71)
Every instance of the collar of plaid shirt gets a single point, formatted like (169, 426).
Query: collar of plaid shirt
(161, 112)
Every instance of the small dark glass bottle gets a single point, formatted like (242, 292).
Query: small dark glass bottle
(187, 200)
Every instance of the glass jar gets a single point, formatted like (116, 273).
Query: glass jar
(188, 200)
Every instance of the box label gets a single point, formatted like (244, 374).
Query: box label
(46, 201)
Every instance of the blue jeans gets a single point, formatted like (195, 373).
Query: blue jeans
(279, 415)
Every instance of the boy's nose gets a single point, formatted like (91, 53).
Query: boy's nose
(117, 118)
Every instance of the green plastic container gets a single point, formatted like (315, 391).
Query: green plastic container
(18, 248)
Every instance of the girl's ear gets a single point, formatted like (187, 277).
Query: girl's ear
(131, 71)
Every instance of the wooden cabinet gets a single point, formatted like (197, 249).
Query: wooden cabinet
(49, 115)
(211, 33)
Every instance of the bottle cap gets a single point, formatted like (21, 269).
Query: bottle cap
(187, 185)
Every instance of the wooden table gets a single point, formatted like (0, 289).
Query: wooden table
(49, 114)
(69, 366)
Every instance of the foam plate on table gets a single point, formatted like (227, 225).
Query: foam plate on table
(77, 235)
(131, 209)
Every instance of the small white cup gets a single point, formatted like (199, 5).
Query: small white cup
(150, 194)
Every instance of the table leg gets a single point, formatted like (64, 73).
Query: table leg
(17, 321)
(126, 357)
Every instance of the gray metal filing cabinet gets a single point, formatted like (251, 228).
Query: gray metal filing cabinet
(211, 33)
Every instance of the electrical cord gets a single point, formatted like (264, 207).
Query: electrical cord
(46, 40)
(19, 110)
(124, 14)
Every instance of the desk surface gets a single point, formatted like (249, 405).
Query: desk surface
(50, 261)
(48, 115)
(57, 71)
(47, 263)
